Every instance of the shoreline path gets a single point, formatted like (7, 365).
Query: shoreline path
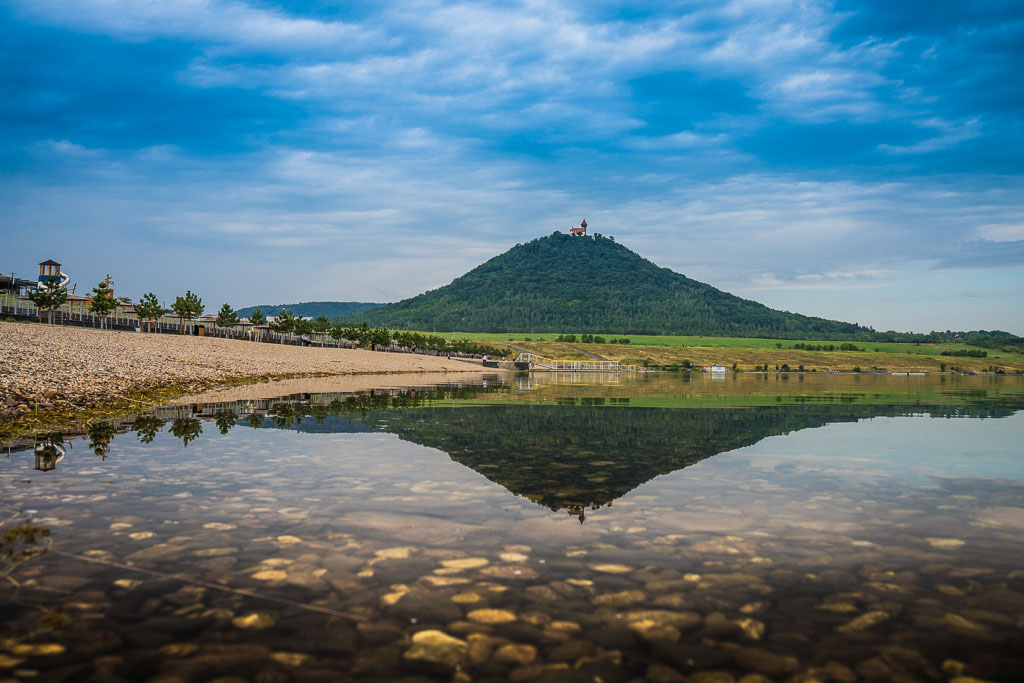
(54, 368)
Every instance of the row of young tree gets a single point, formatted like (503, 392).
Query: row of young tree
(50, 296)
(589, 339)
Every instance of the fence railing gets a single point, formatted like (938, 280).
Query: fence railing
(545, 363)
(77, 314)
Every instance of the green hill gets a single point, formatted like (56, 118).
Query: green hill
(560, 283)
(330, 309)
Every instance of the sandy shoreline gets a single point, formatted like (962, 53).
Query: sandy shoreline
(48, 368)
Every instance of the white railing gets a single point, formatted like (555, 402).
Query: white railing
(545, 363)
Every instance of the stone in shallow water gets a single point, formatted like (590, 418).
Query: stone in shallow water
(652, 630)
(945, 543)
(254, 621)
(513, 557)
(400, 553)
(465, 563)
(515, 653)
(754, 607)
(491, 616)
(127, 584)
(864, 621)
(467, 598)
(443, 581)
(276, 562)
(621, 599)
(291, 659)
(437, 647)
(270, 575)
(611, 568)
(967, 627)
(661, 617)
(837, 607)
(8, 662)
(288, 540)
(141, 535)
(178, 649)
(752, 628)
(219, 526)
(35, 649)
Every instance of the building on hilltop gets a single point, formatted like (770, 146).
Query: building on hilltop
(581, 231)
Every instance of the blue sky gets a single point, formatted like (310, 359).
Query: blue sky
(860, 161)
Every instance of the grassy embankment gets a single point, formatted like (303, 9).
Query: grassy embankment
(751, 354)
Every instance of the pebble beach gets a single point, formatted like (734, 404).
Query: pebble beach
(45, 367)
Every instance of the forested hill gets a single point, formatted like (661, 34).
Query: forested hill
(560, 283)
(330, 309)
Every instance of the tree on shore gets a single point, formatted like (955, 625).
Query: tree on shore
(321, 325)
(49, 296)
(227, 317)
(188, 307)
(149, 309)
(103, 302)
(284, 322)
(257, 318)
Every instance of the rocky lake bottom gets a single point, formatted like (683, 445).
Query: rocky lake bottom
(527, 529)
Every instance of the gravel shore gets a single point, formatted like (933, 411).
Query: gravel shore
(52, 368)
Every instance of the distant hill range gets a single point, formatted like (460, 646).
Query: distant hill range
(563, 283)
(312, 309)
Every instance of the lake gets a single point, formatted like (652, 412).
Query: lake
(528, 528)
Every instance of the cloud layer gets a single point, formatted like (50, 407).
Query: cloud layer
(777, 149)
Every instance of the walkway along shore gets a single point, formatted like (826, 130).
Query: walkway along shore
(53, 368)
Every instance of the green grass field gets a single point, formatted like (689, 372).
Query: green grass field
(933, 350)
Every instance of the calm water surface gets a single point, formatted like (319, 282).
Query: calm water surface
(553, 528)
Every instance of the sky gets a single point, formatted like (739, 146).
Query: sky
(861, 161)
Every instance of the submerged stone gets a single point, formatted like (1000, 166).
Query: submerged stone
(437, 647)
(492, 616)
(270, 575)
(864, 621)
(513, 557)
(465, 563)
(254, 621)
(621, 599)
(516, 653)
(35, 649)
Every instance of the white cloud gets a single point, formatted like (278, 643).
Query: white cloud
(224, 22)
(867, 278)
(1012, 232)
(950, 133)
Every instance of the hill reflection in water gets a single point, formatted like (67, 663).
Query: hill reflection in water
(572, 452)
(574, 442)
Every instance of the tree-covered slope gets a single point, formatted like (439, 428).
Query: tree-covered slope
(330, 309)
(560, 283)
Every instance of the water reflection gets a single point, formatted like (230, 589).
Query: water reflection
(372, 536)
